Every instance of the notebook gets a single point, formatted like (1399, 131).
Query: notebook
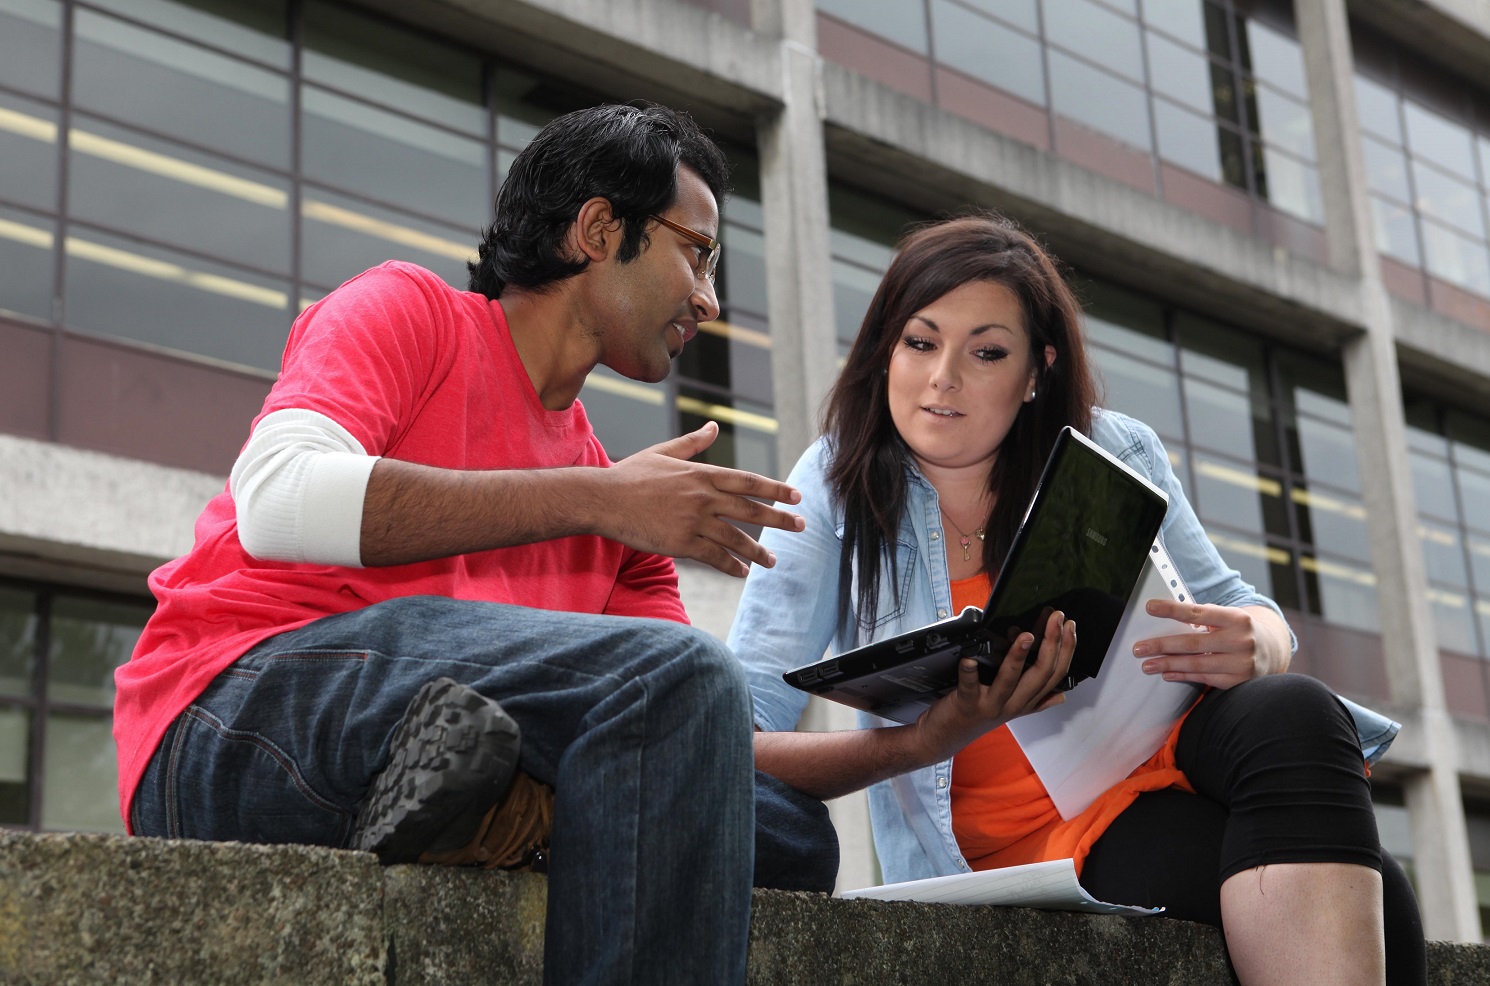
(1081, 547)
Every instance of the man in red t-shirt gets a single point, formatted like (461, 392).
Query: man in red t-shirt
(423, 552)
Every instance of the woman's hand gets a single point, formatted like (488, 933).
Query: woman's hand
(1231, 644)
(974, 708)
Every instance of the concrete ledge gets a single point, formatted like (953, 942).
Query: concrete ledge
(92, 908)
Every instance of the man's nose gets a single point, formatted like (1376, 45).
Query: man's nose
(705, 300)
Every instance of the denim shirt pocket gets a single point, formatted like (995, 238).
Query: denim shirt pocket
(894, 592)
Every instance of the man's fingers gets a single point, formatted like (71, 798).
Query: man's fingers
(689, 445)
(753, 485)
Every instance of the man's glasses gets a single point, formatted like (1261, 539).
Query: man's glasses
(709, 261)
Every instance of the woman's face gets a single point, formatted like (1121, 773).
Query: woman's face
(958, 375)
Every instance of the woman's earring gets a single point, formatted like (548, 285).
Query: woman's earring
(1032, 393)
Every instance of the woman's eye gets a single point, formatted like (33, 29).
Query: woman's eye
(991, 355)
(919, 345)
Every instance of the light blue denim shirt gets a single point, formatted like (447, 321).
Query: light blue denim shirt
(788, 617)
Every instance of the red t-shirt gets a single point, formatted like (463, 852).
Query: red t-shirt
(416, 371)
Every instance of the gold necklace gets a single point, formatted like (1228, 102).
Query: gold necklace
(963, 538)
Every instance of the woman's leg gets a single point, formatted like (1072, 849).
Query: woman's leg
(1301, 891)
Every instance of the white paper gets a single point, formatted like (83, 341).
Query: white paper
(1112, 723)
(1051, 886)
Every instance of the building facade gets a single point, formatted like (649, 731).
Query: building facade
(1277, 214)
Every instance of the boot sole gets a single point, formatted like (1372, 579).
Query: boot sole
(451, 758)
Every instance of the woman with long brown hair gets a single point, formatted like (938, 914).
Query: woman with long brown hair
(1255, 815)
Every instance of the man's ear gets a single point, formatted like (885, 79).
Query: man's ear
(596, 233)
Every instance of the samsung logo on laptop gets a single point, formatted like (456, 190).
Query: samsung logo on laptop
(1096, 537)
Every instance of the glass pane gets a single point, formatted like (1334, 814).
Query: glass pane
(1328, 453)
(390, 65)
(1455, 258)
(1234, 494)
(1277, 59)
(1449, 200)
(1314, 386)
(1182, 18)
(1149, 393)
(1479, 561)
(1099, 100)
(31, 45)
(1396, 231)
(1333, 522)
(900, 21)
(81, 778)
(1453, 623)
(1227, 421)
(742, 269)
(89, 639)
(1285, 122)
(1474, 496)
(747, 431)
(627, 415)
(252, 28)
(194, 94)
(1179, 72)
(853, 289)
(1293, 186)
(367, 150)
(1020, 13)
(1386, 169)
(26, 264)
(1097, 34)
(1346, 593)
(1433, 486)
(341, 237)
(166, 192)
(1377, 107)
(1440, 140)
(116, 287)
(15, 764)
(17, 644)
(733, 357)
(987, 50)
(1265, 568)
(1198, 144)
(1471, 439)
(28, 146)
(1221, 354)
(1444, 554)
(1126, 322)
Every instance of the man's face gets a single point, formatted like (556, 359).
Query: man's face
(655, 302)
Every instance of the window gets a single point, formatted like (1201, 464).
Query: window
(58, 652)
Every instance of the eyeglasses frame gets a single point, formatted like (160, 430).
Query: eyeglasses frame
(711, 244)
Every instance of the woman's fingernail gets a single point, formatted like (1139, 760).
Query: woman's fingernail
(1149, 667)
(1140, 650)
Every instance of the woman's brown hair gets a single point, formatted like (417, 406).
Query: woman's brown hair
(869, 459)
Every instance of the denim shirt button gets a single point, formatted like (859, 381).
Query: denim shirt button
(936, 535)
(941, 782)
(941, 614)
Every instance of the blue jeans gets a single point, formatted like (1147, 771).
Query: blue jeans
(641, 726)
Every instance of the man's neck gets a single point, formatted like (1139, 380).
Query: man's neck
(553, 341)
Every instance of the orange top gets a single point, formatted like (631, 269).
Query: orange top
(1001, 814)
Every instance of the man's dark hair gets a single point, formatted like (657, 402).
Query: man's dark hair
(626, 154)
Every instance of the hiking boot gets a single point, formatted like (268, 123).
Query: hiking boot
(451, 759)
(513, 835)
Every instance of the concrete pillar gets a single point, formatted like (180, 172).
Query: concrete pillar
(1445, 879)
(794, 198)
(804, 358)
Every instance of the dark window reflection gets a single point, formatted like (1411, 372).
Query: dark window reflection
(89, 639)
(27, 245)
(393, 158)
(28, 148)
(117, 287)
(627, 416)
(196, 95)
(747, 431)
(167, 192)
(341, 237)
(15, 765)
(31, 46)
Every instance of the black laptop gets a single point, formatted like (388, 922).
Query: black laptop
(1080, 549)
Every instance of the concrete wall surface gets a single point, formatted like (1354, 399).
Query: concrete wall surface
(94, 909)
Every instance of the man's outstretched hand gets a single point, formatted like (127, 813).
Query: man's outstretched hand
(658, 500)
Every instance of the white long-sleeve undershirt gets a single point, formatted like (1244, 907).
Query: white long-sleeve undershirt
(299, 486)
